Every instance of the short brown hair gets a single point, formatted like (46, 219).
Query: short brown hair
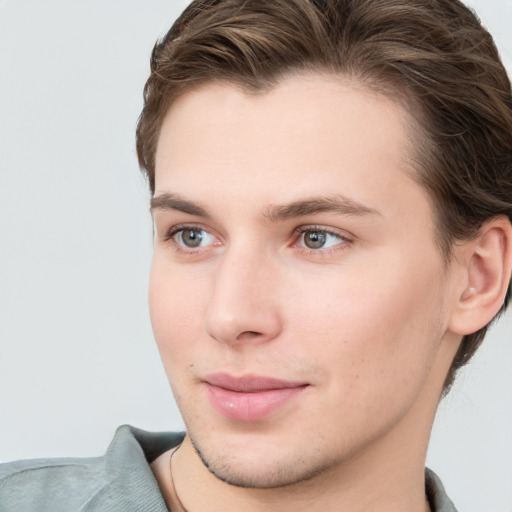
(434, 55)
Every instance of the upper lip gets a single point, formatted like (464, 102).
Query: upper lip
(249, 383)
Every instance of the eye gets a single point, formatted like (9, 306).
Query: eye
(192, 238)
(319, 239)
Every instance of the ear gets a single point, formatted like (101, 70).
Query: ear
(486, 271)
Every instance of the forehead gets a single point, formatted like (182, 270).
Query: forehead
(310, 131)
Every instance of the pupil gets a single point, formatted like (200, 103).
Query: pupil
(192, 237)
(315, 240)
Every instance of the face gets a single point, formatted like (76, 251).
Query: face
(297, 295)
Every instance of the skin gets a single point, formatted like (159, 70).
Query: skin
(365, 320)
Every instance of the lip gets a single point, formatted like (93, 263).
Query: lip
(250, 398)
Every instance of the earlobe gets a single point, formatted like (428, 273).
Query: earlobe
(487, 272)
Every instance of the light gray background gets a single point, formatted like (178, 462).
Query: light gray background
(77, 356)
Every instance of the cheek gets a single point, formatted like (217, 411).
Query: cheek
(375, 350)
(176, 305)
(380, 327)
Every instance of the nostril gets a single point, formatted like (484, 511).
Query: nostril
(248, 335)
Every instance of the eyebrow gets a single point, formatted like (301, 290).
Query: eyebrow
(331, 204)
(310, 206)
(175, 202)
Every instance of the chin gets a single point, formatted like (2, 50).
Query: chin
(259, 470)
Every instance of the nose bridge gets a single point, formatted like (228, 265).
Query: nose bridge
(243, 304)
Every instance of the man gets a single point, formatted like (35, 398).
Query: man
(331, 190)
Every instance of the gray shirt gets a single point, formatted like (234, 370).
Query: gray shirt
(121, 480)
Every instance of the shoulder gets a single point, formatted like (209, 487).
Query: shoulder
(436, 493)
(43, 484)
(119, 480)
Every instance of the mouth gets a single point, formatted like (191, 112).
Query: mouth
(250, 398)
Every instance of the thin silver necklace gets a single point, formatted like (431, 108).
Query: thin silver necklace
(172, 481)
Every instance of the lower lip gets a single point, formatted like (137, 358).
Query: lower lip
(250, 407)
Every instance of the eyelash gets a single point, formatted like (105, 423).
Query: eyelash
(344, 241)
(171, 233)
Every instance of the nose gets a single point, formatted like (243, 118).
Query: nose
(244, 304)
